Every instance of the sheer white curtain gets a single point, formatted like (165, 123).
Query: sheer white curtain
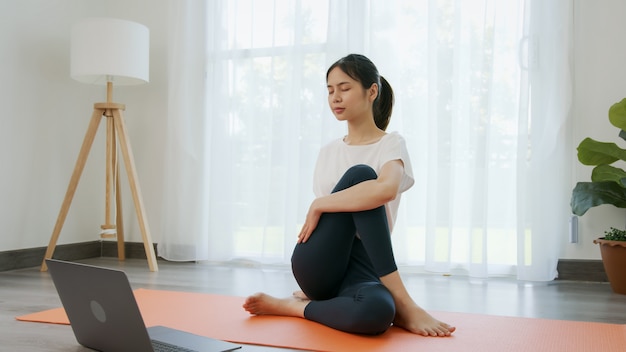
(482, 97)
(185, 225)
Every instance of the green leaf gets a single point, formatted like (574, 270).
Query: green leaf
(617, 114)
(590, 194)
(592, 152)
(603, 173)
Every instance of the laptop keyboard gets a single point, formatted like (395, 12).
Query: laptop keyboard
(160, 346)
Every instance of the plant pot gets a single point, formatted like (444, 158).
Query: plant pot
(614, 260)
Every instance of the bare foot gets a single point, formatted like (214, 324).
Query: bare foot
(408, 314)
(300, 295)
(418, 321)
(263, 304)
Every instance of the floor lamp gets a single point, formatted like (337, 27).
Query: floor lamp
(108, 51)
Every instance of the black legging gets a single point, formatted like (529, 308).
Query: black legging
(340, 272)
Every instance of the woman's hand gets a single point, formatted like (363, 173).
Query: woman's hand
(310, 223)
(365, 195)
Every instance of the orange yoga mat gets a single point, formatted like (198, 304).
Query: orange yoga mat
(222, 317)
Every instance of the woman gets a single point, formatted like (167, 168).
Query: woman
(343, 260)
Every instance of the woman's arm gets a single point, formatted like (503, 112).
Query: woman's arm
(363, 196)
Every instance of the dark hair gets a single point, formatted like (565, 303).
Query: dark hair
(363, 70)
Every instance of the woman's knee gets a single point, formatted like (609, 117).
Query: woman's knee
(377, 310)
(362, 172)
(354, 175)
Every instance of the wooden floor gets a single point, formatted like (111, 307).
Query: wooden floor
(29, 290)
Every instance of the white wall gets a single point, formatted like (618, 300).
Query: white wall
(600, 81)
(45, 114)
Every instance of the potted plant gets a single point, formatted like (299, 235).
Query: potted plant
(607, 186)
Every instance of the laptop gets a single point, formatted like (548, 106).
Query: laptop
(104, 315)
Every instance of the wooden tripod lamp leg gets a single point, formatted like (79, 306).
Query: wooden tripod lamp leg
(71, 189)
(129, 163)
(118, 225)
(119, 221)
(108, 228)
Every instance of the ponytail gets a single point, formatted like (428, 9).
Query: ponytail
(383, 105)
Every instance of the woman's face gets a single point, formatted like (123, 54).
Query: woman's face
(347, 98)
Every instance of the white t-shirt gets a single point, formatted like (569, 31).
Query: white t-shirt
(336, 157)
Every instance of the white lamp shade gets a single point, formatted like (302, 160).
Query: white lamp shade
(107, 49)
